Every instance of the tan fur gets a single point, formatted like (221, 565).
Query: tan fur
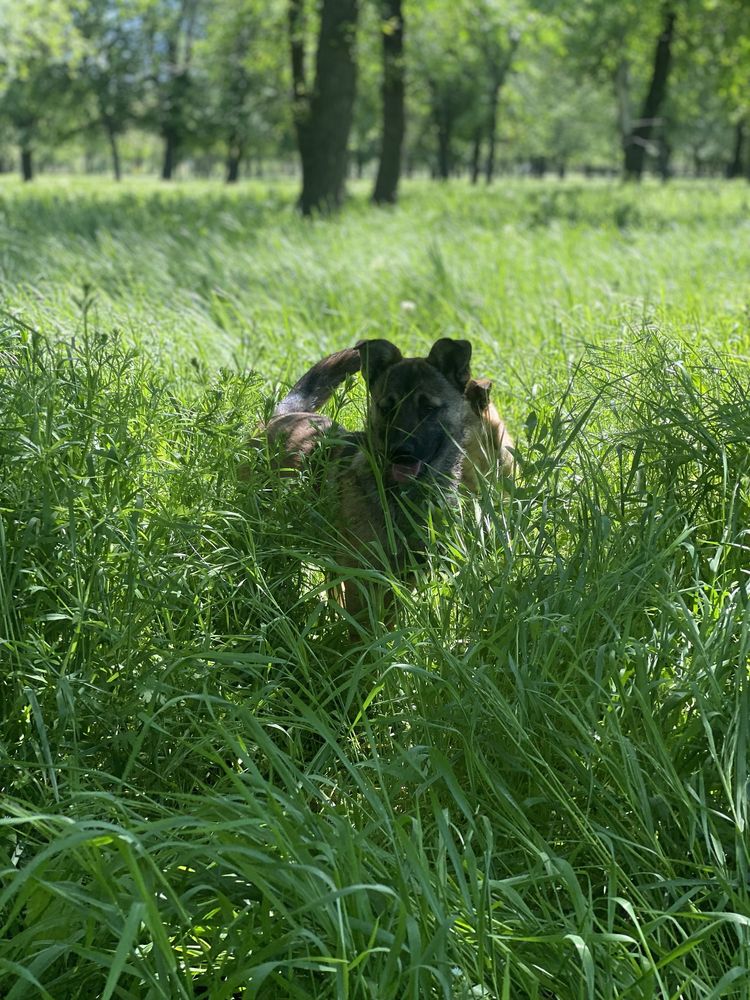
(488, 445)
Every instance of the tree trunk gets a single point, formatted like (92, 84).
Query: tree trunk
(170, 155)
(489, 170)
(323, 119)
(233, 168)
(394, 119)
(445, 158)
(665, 160)
(443, 117)
(637, 141)
(499, 73)
(734, 167)
(622, 88)
(234, 158)
(476, 153)
(27, 167)
(300, 97)
(112, 137)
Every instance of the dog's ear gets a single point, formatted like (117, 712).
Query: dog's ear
(376, 355)
(451, 358)
(477, 393)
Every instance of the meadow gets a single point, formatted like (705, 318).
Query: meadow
(536, 784)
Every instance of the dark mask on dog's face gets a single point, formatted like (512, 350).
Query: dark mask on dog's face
(416, 415)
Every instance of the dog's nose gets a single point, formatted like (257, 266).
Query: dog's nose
(402, 446)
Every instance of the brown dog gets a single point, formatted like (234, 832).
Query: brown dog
(410, 457)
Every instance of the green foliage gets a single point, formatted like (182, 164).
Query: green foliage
(561, 82)
(243, 61)
(536, 784)
(40, 53)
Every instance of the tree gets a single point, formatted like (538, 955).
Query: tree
(40, 52)
(709, 105)
(552, 117)
(240, 61)
(323, 113)
(495, 35)
(393, 89)
(170, 29)
(637, 140)
(730, 56)
(111, 69)
(445, 72)
(613, 44)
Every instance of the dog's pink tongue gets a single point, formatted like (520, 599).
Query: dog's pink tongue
(402, 472)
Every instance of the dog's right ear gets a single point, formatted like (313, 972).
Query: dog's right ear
(477, 393)
(377, 355)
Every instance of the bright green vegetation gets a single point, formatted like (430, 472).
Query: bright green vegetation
(537, 784)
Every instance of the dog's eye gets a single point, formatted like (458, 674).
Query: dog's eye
(427, 404)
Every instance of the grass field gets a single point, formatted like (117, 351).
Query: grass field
(536, 785)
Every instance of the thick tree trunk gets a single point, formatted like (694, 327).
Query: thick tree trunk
(734, 167)
(394, 119)
(637, 141)
(27, 167)
(323, 120)
(112, 137)
(170, 155)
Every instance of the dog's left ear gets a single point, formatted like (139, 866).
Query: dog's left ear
(451, 358)
(477, 394)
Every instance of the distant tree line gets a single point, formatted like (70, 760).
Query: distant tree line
(451, 86)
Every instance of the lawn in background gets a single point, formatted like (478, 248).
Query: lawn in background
(536, 785)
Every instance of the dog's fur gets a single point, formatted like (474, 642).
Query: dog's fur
(421, 412)
(487, 444)
(296, 429)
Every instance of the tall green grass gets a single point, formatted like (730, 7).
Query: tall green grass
(536, 783)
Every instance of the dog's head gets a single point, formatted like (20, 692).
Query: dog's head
(477, 394)
(417, 408)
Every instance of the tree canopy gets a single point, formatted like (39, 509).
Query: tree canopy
(445, 86)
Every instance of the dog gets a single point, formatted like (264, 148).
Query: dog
(410, 459)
